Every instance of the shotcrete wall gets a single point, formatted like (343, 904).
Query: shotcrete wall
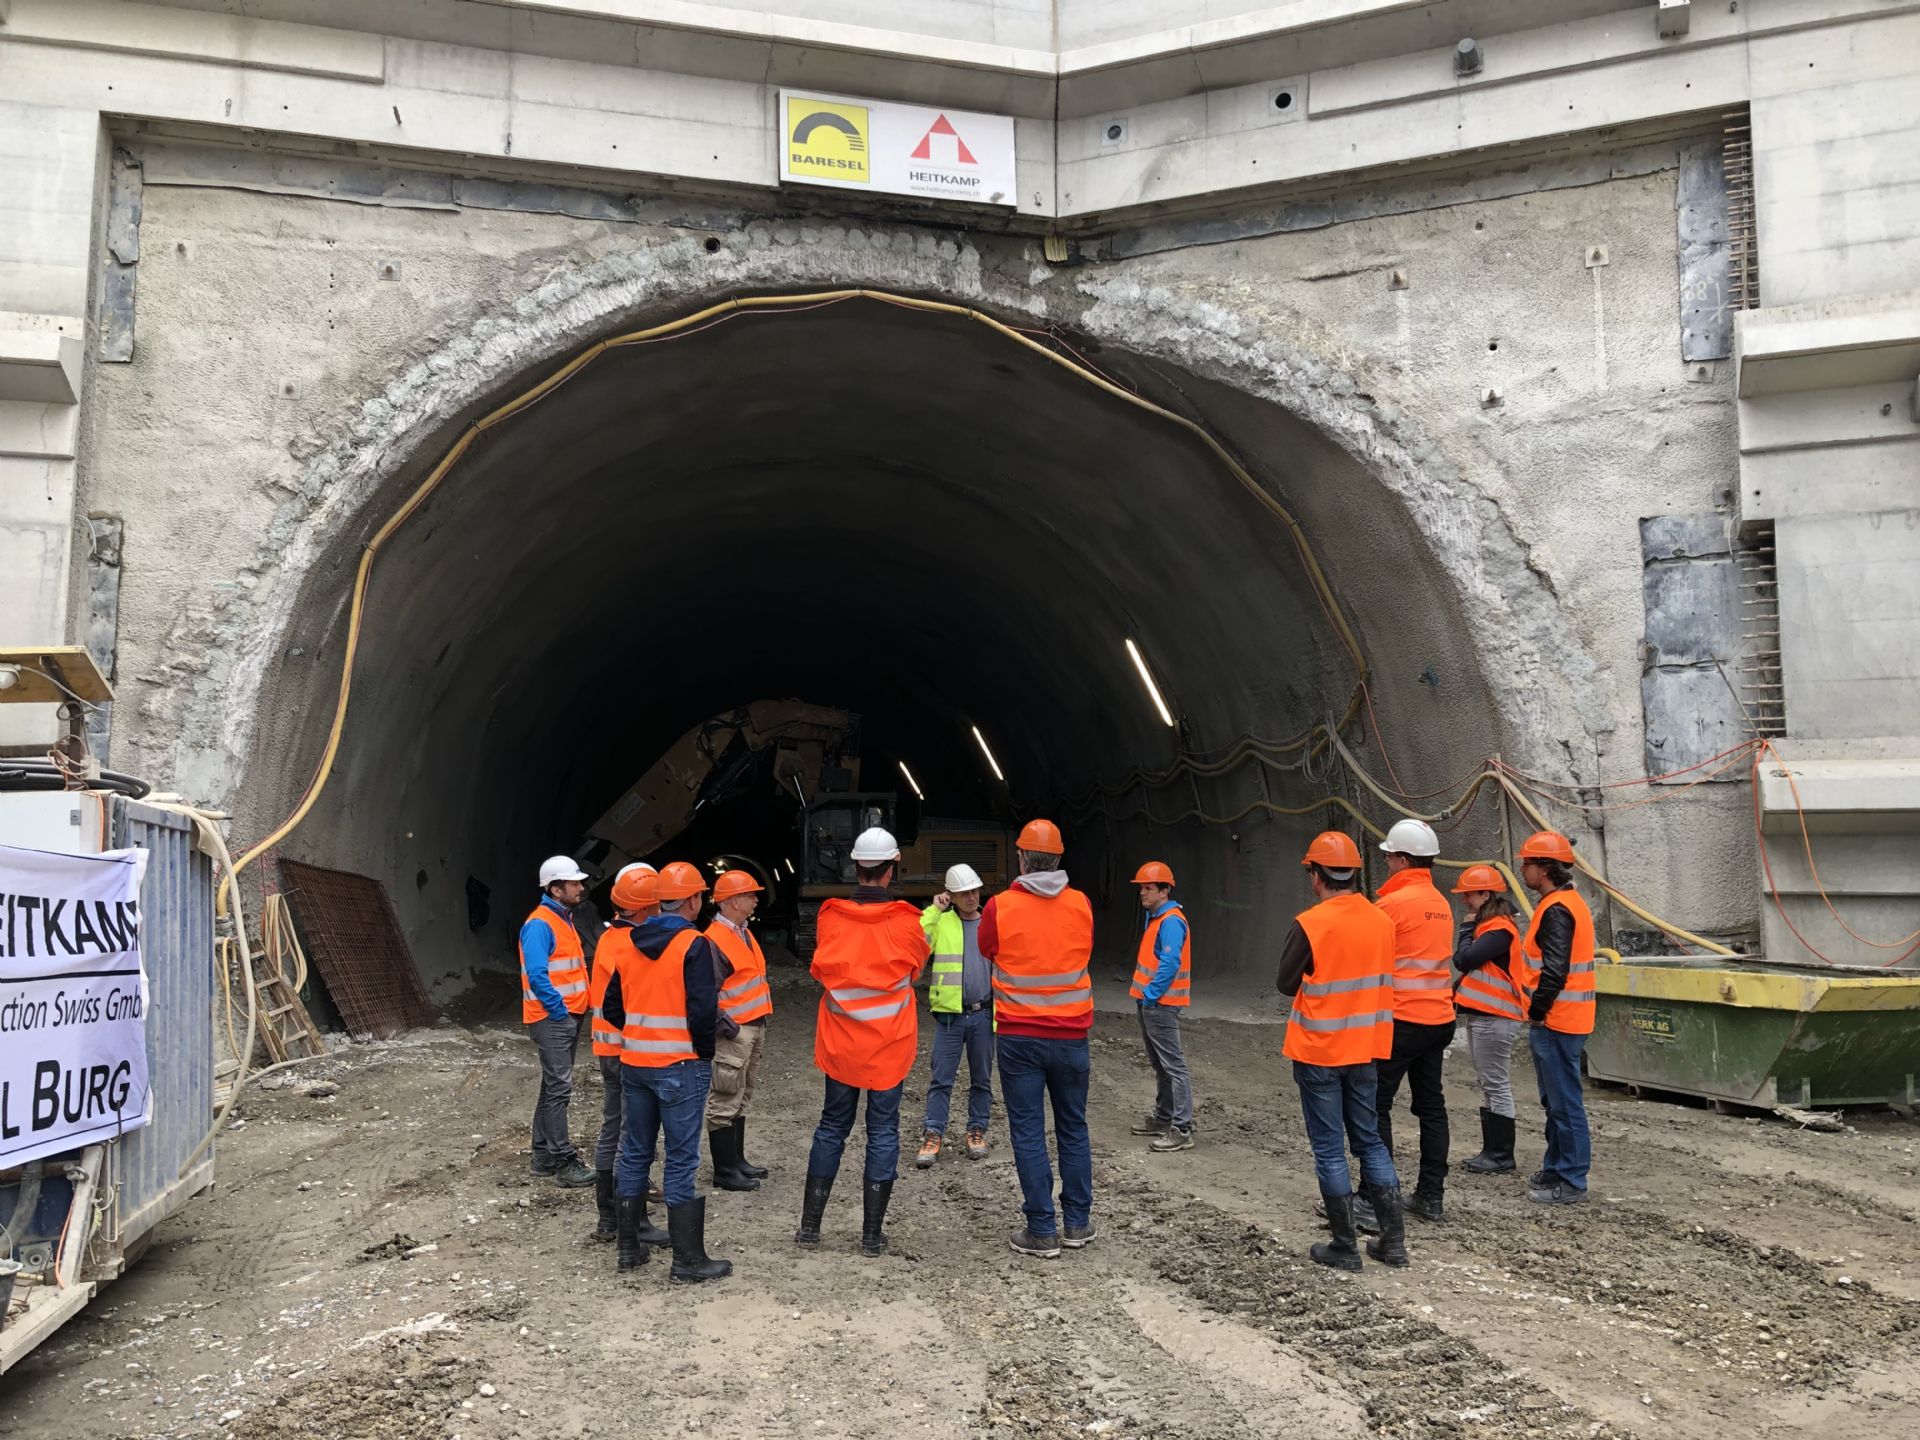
(301, 362)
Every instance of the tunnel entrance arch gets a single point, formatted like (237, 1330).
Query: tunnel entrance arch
(898, 510)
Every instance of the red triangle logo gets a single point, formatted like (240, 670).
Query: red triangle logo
(942, 126)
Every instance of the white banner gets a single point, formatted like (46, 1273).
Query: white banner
(73, 1001)
(881, 147)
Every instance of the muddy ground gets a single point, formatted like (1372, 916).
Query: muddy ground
(1733, 1276)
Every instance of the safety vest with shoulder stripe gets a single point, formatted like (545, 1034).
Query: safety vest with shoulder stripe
(566, 967)
(866, 958)
(1343, 1014)
(948, 936)
(745, 997)
(1422, 947)
(1040, 970)
(1146, 963)
(613, 943)
(654, 993)
(1490, 989)
(1572, 1010)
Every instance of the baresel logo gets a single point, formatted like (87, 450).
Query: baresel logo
(828, 140)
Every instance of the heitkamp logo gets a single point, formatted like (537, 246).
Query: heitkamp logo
(828, 140)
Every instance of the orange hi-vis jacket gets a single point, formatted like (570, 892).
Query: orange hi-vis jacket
(608, 1041)
(654, 993)
(1043, 946)
(566, 967)
(1422, 947)
(1146, 963)
(1343, 1014)
(866, 958)
(1490, 989)
(1572, 1010)
(745, 997)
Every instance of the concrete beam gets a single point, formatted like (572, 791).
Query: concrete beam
(40, 358)
(1823, 346)
(135, 29)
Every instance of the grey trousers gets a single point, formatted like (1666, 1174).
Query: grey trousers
(1490, 1042)
(612, 1112)
(1173, 1096)
(556, 1041)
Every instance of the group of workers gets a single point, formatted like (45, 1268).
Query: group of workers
(678, 1017)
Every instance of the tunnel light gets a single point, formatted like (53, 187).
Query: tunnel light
(987, 751)
(789, 865)
(918, 792)
(1146, 678)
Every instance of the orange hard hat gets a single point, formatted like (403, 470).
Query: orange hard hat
(1334, 849)
(1042, 837)
(1547, 845)
(1480, 877)
(735, 882)
(678, 881)
(634, 889)
(1154, 872)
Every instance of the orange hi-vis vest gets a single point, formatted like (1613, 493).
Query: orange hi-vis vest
(1490, 989)
(1040, 972)
(1422, 947)
(1343, 1014)
(566, 967)
(1572, 1010)
(608, 951)
(654, 995)
(745, 997)
(865, 956)
(1146, 963)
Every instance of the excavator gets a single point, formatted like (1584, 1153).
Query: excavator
(810, 754)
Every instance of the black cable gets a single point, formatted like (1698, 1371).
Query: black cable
(24, 774)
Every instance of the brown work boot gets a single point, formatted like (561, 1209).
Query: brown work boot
(929, 1152)
(976, 1144)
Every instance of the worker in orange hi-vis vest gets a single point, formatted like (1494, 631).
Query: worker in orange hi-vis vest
(748, 1002)
(553, 1007)
(1423, 1019)
(1554, 971)
(1337, 964)
(868, 950)
(1162, 988)
(633, 901)
(1492, 1015)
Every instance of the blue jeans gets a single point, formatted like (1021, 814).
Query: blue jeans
(836, 1124)
(1031, 1071)
(672, 1098)
(1556, 1064)
(952, 1034)
(1338, 1102)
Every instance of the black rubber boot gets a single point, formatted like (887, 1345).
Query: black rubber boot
(812, 1206)
(628, 1211)
(1391, 1247)
(648, 1232)
(1496, 1145)
(1363, 1217)
(688, 1225)
(1343, 1251)
(874, 1195)
(744, 1165)
(1428, 1205)
(609, 1225)
(724, 1146)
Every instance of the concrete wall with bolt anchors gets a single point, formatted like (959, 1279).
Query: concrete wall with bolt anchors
(284, 395)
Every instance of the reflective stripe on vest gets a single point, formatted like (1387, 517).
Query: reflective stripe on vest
(1572, 1010)
(566, 967)
(858, 1002)
(1343, 1014)
(1423, 945)
(745, 997)
(654, 993)
(614, 941)
(1045, 944)
(1146, 963)
(1490, 989)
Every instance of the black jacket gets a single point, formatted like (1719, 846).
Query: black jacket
(1555, 938)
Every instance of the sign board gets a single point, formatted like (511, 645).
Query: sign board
(888, 149)
(73, 1001)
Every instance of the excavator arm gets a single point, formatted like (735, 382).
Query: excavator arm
(809, 743)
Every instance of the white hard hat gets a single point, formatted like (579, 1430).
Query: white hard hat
(875, 847)
(636, 865)
(962, 877)
(1411, 837)
(559, 867)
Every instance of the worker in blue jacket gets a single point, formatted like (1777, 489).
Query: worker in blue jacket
(1163, 987)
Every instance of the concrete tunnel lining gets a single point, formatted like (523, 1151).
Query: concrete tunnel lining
(907, 515)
